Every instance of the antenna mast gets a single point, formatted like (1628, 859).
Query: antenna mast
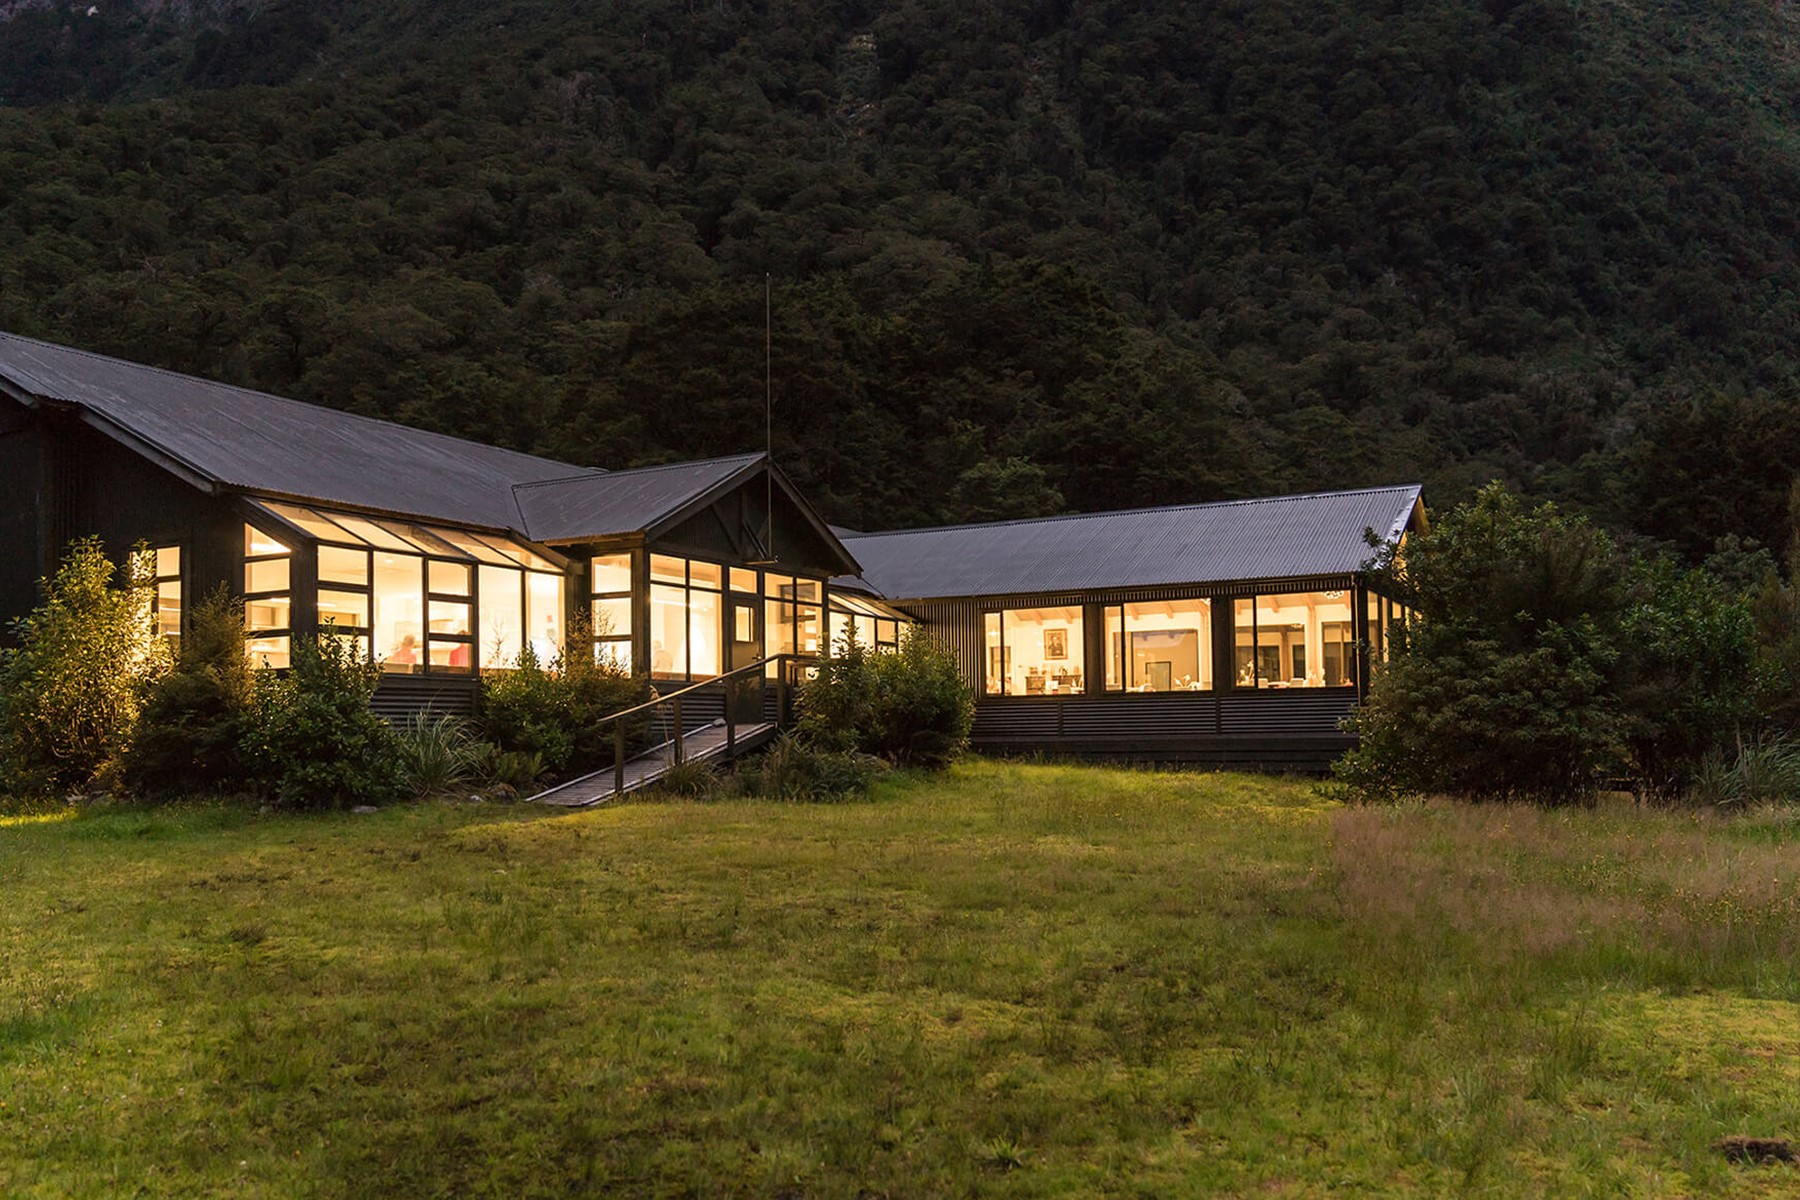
(769, 410)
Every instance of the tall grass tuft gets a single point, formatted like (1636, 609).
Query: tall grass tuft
(437, 752)
(1764, 772)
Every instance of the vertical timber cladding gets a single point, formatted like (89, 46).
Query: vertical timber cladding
(21, 508)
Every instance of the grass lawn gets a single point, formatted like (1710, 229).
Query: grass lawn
(1019, 980)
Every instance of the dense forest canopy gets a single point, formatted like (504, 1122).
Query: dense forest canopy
(1023, 256)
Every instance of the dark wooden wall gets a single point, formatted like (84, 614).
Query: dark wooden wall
(64, 480)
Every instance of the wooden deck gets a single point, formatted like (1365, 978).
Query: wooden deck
(702, 743)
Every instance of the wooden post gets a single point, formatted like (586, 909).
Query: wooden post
(730, 722)
(678, 747)
(618, 758)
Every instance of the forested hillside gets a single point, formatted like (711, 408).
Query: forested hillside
(1024, 256)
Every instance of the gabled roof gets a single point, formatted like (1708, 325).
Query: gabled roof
(222, 437)
(596, 505)
(1320, 533)
(654, 500)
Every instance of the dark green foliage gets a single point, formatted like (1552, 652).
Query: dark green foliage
(1025, 256)
(1545, 660)
(911, 708)
(437, 752)
(188, 734)
(312, 741)
(71, 689)
(558, 714)
(799, 770)
(1687, 680)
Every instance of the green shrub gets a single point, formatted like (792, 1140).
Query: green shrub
(1514, 685)
(557, 713)
(312, 740)
(436, 752)
(795, 769)
(911, 708)
(696, 779)
(188, 732)
(519, 770)
(71, 690)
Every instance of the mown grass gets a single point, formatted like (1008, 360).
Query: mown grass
(1020, 980)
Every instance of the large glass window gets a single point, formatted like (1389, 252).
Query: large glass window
(685, 618)
(792, 615)
(163, 567)
(415, 598)
(268, 603)
(1035, 652)
(610, 578)
(876, 626)
(1295, 639)
(399, 612)
(1159, 646)
(502, 637)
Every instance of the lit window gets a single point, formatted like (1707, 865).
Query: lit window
(502, 637)
(610, 575)
(268, 605)
(162, 569)
(1159, 646)
(1035, 652)
(399, 625)
(1295, 639)
(544, 615)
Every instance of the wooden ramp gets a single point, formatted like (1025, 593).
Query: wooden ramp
(705, 743)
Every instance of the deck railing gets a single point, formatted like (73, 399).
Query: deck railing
(789, 671)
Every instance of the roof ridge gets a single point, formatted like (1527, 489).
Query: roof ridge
(603, 473)
(260, 394)
(1155, 508)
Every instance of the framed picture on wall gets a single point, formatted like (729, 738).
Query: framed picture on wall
(1056, 643)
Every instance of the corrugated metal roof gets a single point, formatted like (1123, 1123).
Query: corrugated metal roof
(595, 506)
(258, 442)
(1318, 533)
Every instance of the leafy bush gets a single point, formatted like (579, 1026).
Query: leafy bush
(694, 778)
(911, 708)
(312, 740)
(192, 721)
(557, 713)
(71, 691)
(794, 769)
(1512, 684)
(437, 752)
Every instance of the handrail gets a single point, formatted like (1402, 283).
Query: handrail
(694, 687)
(674, 698)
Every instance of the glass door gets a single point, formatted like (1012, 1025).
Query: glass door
(743, 625)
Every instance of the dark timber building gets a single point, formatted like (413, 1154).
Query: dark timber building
(1238, 632)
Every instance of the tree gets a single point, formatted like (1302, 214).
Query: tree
(71, 691)
(1514, 682)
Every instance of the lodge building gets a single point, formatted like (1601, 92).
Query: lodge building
(1240, 632)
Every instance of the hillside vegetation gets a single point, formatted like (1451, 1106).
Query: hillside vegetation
(1023, 256)
(1011, 981)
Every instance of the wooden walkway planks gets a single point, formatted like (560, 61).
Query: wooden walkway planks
(705, 742)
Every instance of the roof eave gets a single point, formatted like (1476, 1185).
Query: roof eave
(706, 496)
